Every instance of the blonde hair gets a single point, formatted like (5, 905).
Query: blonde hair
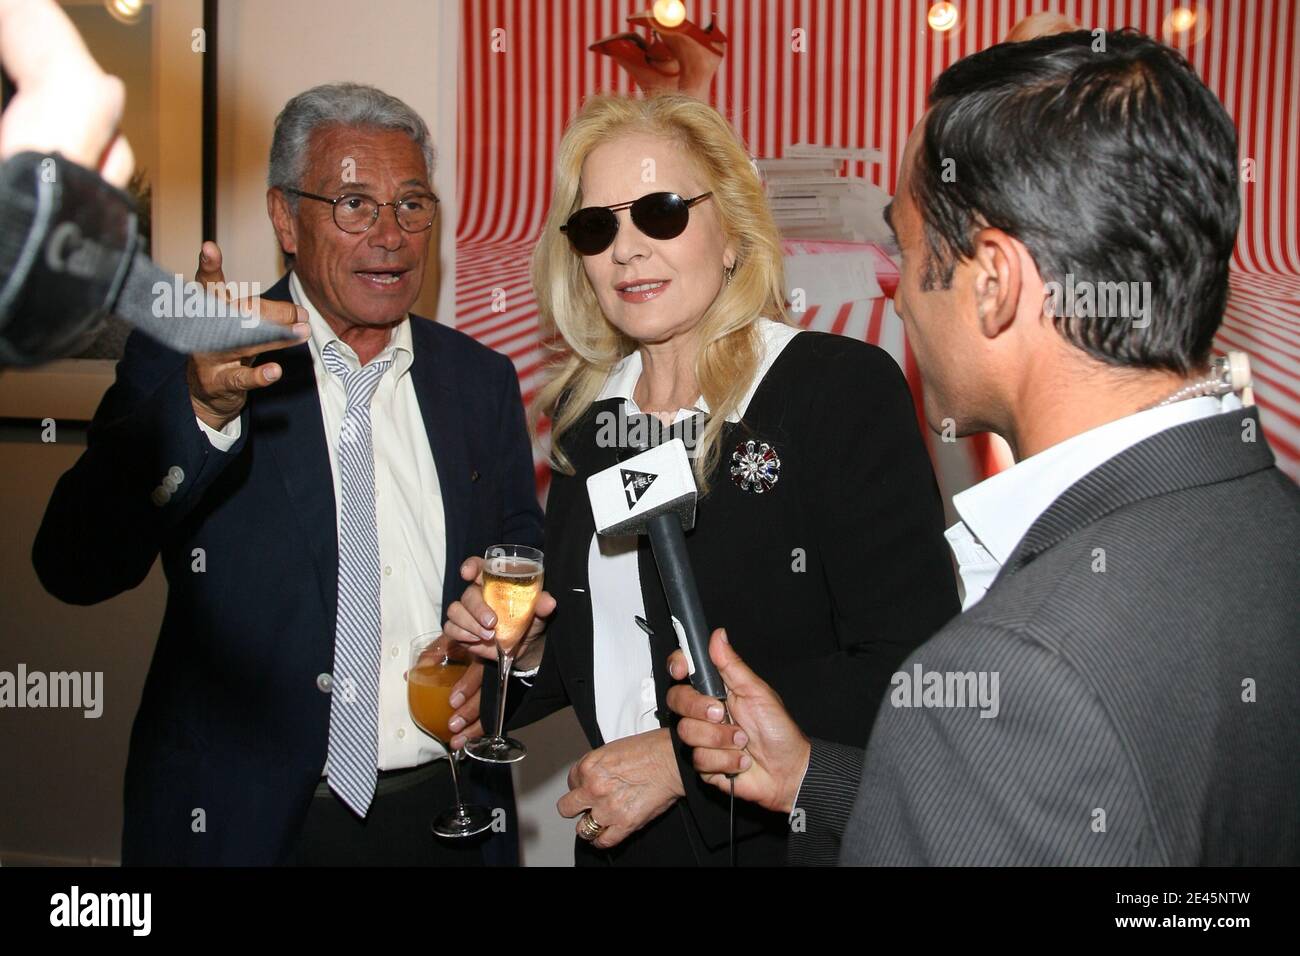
(730, 345)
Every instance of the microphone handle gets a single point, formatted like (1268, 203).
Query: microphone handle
(669, 546)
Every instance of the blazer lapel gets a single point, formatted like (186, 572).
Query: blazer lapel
(576, 598)
(575, 517)
(1198, 453)
(286, 418)
(437, 391)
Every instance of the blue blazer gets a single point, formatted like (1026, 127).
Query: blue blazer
(232, 731)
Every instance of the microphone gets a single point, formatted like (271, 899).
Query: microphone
(654, 493)
(72, 254)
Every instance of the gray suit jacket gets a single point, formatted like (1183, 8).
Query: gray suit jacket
(1146, 638)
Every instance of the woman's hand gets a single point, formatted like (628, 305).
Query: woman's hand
(465, 724)
(466, 697)
(472, 622)
(625, 785)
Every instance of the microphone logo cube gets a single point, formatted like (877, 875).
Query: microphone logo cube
(635, 484)
(625, 496)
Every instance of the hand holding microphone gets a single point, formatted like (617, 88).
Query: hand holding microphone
(654, 493)
(763, 750)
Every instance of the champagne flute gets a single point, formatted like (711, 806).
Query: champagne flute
(437, 664)
(512, 581)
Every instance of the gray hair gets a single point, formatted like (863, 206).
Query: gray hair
(337, 104)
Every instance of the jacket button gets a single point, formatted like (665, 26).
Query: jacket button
(324, 683)
(160, 496)
(176, 474)
(473, 476)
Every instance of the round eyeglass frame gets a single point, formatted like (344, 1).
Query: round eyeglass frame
(375, 216)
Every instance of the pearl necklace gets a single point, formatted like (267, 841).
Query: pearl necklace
(1231, 373)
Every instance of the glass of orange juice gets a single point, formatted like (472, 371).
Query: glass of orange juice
(437, 664)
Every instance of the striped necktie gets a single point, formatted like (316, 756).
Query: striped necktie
(352, 765)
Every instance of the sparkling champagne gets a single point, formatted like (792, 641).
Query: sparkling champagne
(511, 585)
(512, 582)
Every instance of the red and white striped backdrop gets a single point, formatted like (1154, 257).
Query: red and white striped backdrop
(861, 81)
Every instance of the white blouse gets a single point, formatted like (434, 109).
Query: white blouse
(623, 671)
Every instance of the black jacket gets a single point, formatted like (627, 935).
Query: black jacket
(825, 583)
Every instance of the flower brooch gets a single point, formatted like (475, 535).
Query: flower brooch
(755, 467)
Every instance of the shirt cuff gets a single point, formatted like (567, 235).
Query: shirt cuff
(799, 789)
(225, 439)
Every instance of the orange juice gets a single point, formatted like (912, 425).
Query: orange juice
(428, 692)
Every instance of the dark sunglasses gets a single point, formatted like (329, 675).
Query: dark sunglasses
(658, 215)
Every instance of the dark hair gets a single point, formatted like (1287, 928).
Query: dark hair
(1112, 163)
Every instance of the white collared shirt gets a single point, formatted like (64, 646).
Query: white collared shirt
(997, 513)
(624, 376)
(408, 513)
(623, 668)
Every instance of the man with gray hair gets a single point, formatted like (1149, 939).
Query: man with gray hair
(312, 508)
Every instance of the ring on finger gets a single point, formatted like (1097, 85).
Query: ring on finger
(588, 828)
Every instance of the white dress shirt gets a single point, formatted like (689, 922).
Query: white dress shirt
(408, 513)
(999, 511)
(623, 669)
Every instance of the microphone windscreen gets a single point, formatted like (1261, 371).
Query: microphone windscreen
(218, 327)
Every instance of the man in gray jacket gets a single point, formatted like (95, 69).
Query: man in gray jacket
(1123, 683)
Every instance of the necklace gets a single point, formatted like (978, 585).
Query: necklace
(1230, 373)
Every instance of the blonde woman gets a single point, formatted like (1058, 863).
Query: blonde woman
(819, 533)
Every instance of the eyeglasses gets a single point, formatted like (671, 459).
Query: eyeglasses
(357, 212)
(592, 229)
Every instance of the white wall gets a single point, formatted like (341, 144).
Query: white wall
(268, 52)
(61, 772)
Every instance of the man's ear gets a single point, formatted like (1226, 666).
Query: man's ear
(996, 278)
(282, 220)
